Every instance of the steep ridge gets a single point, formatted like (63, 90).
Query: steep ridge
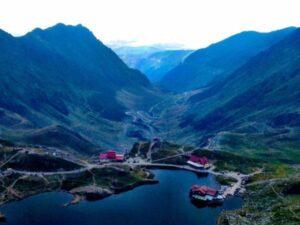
(64, 75)
(260, 99)
(219, 60)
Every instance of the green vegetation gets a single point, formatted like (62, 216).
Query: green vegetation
(167, 149)
(31, 160)
(231, 162)
(270, 202)
(161, 150)
(140, 149)
(75, 82)
(273, 171)
(61, 137)
(219, 60)
(112, 179)
(108, 177)
(279, 145)
(223, 180)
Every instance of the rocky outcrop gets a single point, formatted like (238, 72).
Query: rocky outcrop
(91, 192)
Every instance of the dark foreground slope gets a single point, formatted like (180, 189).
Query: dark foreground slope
(256, 109)
(219, 60)
(64, 75)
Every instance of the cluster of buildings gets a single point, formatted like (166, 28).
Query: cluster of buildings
(200, 162)
(111, 156)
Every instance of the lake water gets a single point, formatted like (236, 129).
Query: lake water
(166, 203)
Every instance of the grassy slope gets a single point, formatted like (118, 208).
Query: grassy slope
(111, 178)
(269, 202)
(254, 111)
(65, 76)
(32, 161)
(218, 60)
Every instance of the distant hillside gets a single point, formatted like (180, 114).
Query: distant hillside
(255, 110)
(64, 75)
(153, 61)
(131, 55)
(219, 60)
(156, 65)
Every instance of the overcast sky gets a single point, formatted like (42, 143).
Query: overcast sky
(193, 23)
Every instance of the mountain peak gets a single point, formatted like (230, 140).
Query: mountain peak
(62, 26)
(62, 30)
(4, 34)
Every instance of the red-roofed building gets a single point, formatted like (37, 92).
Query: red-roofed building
(203, 190)
(111, 156)
(119, 157)
(197, 159)
(199, 162)
(103, 156)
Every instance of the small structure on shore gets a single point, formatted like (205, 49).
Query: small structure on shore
(205, 195)
(111, 156)
(198, 162)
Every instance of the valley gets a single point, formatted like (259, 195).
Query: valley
(233, 105)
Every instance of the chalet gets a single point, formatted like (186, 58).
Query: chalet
(204, 194)
(203, 190)
(198, 162)
(111, 156)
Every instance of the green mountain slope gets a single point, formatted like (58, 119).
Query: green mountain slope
(219, 60)
(255, 110)
(64, 75)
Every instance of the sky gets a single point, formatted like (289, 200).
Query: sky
(188, 23)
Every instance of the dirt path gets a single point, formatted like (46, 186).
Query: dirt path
(231, 190)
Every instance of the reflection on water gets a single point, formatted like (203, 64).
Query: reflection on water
(166, 203)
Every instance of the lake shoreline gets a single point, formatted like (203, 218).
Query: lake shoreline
(141, 200)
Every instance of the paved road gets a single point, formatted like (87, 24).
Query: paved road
(87, 167)
(167, 166)
(80, 170)
(174, 156)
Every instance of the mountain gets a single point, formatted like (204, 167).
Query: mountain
(65, 76)
(255, 110)
(131, 55)
(219, 60)
(61, 137)
(156, 65)
(154, 61)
